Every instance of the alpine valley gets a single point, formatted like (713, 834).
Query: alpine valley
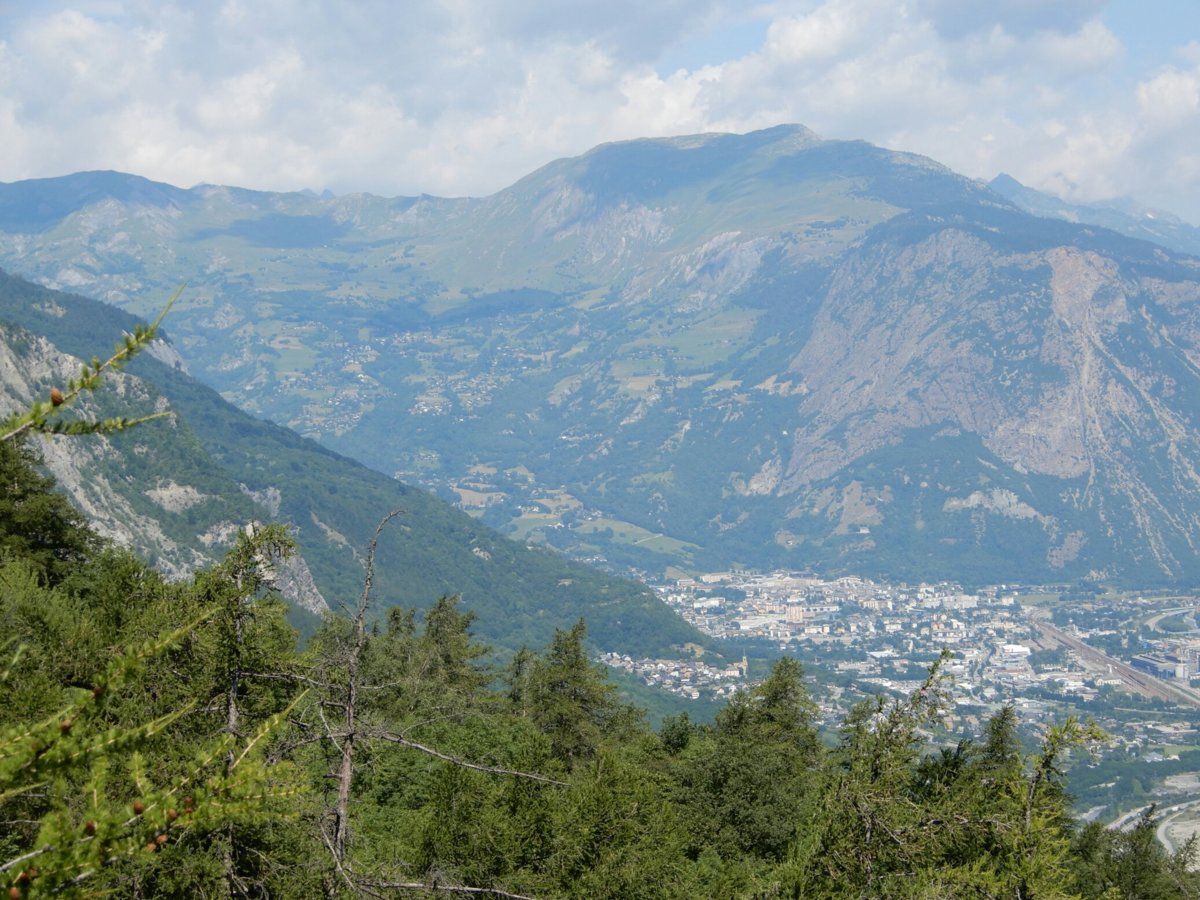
(177, 492)
(765, 349)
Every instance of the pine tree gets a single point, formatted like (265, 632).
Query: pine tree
(37, 524)
(571, 701)
(746, 781)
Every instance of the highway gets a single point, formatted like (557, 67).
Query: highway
(1169, 815)
(1152, 622)
(1166, 817)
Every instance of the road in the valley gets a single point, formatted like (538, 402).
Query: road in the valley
(1169, 816)
(1166, 818)
(1152, 622)
(1125, 821)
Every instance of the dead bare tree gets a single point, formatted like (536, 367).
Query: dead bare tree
(246, 566)
(349, 736)
(342, 725)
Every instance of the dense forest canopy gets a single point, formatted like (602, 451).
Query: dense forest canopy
(166, 738)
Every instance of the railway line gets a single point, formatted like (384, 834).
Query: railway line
(1142, 682)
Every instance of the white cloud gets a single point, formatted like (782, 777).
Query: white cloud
(1170, 99)
(1092, 48)
(465, 96)
(826, 33)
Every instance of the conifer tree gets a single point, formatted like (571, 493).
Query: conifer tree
(37, 524)
(746, 782)
(570, 701)
(96, 806)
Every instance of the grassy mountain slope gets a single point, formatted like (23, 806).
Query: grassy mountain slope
(520, 593)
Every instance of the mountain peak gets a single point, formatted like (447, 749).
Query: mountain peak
(790, 136)
(39, 203)
(1004, 183)
(792, 133)
(760, 179)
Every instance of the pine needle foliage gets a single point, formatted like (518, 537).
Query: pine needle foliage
(42, 416)
(87, 792)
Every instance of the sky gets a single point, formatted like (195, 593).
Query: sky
(1088, 99)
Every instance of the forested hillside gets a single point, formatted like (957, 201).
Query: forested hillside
(182, 487)
(170, 739)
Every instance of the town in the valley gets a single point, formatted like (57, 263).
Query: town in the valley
(1129, 661)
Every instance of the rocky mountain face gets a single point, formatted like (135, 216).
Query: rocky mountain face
(105, 475)
(765, 349)
(1046, 388)
(179, 528)
(178, 490)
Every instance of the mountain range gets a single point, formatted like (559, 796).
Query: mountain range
(766, 349)
(1124, 216)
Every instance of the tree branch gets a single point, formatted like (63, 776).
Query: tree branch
(458, 761)
(436, 886)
